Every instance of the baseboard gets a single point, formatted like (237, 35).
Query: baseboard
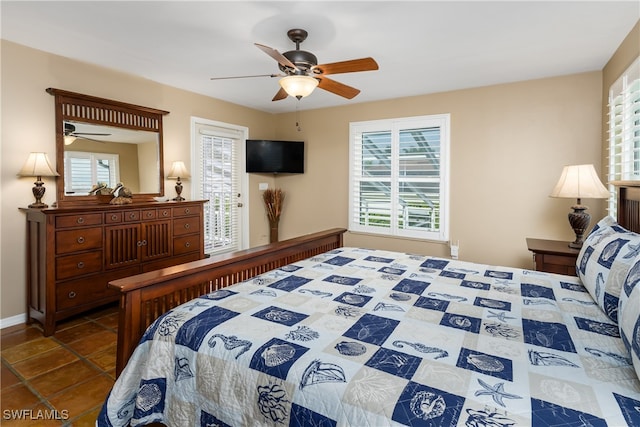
(13, 320)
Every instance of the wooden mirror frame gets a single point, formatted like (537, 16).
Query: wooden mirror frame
(93, 110)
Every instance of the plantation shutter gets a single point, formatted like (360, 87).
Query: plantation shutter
(218, 177)
(624, 130)
(399, 178)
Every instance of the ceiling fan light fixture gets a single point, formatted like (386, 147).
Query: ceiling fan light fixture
(298, 86)
(69, 139)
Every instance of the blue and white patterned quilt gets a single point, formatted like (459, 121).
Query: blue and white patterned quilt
(357, 337)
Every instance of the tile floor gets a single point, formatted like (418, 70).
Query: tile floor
(70, 372)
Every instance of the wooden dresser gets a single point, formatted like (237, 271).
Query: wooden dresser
(73, 252)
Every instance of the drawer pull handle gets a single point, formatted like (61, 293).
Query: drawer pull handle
(149, 214)
(142, 243)
(165, 213)
(187, 245)
(80, 220)
(81, 264)
(132, 215)
(187, 210)
(72, 294)
(114, 217)
(186, 226)
(80, 240)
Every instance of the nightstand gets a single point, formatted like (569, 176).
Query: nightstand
(553, 256)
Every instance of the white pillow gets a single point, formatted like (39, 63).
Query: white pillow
(604, 261)
(629, 314)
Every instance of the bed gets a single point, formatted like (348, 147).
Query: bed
(309, 332)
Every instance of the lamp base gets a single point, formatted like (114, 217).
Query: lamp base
(37, 205)
(178, 187)
(38, 192)
(579, 220)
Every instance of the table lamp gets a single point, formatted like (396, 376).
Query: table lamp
(579, 182)
(178, 171)
(38, 165)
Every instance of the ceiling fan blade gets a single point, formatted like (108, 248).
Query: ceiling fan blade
(89, 133)
(247, 77)
(89, 139)
(352, 66)
(282, 94)
(337, 87)
(282, 60)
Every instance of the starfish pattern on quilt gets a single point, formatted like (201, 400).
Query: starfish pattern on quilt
(496, 392)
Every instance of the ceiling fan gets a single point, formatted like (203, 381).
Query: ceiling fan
(70, 134)
(302, 73)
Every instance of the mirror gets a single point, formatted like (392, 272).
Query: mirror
(97, 154)
(100, 141)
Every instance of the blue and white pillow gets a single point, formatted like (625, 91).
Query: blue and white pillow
(604, 261)
(629, 314)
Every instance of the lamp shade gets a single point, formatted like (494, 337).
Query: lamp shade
(178, 170)
(37, 164)
(298, 86)
(580, 182)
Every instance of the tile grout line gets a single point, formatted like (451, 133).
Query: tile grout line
(25, 382)
(100, 372)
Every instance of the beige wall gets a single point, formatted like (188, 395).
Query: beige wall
(508, 145)
(146, 155)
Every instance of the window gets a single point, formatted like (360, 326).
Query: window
(399, 177)
(84, 169)
(218, 153)
(624, 130)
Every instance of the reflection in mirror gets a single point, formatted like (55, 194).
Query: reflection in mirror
(98, 154)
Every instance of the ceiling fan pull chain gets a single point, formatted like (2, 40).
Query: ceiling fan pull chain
(298, 115)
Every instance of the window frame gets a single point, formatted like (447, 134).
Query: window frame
(395, 126)
(623, 135)
(93, 158)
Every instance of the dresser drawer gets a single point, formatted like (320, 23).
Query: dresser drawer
(186, 210)
(69, 266)
(186, 244)
(113, 217)
(84, 239)
(131, 215)
(164, 213)
(87, 290)
(149, 214)
(81, 220)
(186, 225)
(559, 260)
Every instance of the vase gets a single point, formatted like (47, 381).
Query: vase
(273, 231)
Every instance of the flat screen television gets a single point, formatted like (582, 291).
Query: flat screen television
(269, 156)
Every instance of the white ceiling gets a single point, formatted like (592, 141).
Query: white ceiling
(421, 46)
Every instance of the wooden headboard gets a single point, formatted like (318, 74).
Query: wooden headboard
(629, 204)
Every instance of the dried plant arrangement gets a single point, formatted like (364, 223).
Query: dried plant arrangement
(273, 199)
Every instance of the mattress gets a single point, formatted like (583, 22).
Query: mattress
(365, 337)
